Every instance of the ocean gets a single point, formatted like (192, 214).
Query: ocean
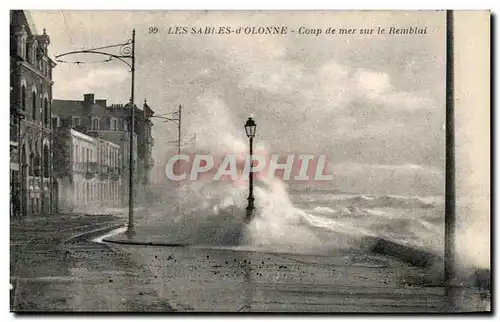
(309, 222)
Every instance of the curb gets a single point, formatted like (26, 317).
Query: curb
(411, 255)
(93, 233)
(139, 243)
(421, 258)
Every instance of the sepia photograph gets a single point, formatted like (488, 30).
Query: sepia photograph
(264, 161)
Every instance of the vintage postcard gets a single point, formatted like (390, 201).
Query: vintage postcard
(250, 161)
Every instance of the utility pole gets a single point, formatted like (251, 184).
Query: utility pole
(449, 217)
(126, 53)
(20, 146)
(40, 173)
(130, 230)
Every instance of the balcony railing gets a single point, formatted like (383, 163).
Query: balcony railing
(103, 172)
(35, 184)
(90, 169)
(115, 173)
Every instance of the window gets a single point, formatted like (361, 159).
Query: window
(32, 163)
(82, 157)
(55, 122)
(95, 123)
(46, 161)
(76, 154)
(125, 126)
(77, 192)
(23, 97)
(33, 106)
(33, 52)
(21, 42)
(75, 121)
(114, 124)
(46, 111)
(27, 50)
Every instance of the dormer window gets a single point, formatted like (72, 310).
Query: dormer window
(27, 51)
(33, 57)
(95, 123)
(21, 42)
(114, 124)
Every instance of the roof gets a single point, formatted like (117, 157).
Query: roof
(82, 136)
(31, 23)
(76, 108)
(65, 108)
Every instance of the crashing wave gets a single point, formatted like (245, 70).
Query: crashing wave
(393, 201)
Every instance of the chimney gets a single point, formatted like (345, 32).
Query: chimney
(101, 103)
(88, 99)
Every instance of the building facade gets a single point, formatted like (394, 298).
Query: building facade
(30, 118)
(111, 123)
(87, 171)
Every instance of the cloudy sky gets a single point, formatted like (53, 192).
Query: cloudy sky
(374, 104)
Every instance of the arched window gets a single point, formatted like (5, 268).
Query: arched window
(33, 106)
(46, 161)
(46, 111)
(32, 163)
(23, 97)
(27, 54)
(37, 164)
(33, 51)
(20, 45)
(95, 123)
(24, 162)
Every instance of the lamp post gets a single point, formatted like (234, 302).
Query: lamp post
(130, 229)
(250, 128)
(127, 56)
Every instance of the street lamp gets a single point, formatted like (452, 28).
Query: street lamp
(250, 128)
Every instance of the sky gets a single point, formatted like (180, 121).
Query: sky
(374, 104)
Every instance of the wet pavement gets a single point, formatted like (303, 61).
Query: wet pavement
(58, 273)
(53, 272)
(237, 280)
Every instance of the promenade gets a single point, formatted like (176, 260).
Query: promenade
(212, 279)
(57, 266)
